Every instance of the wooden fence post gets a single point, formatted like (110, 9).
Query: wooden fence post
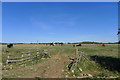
(7, 59)
(37, 53)
(49, 53)
(22, 59)
(76, 52)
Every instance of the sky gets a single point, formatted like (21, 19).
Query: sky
(59, 21)
(60, 0)
(0, 21)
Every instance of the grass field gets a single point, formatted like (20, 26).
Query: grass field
(101, 62)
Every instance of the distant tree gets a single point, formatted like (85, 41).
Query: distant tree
(68, 43)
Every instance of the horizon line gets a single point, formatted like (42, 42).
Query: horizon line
(62, 42)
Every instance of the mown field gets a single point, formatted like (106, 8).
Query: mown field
(100, 62)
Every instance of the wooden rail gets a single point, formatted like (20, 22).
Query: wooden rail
(79, 56)
(26, 56)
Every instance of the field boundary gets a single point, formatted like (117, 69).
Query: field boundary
(80, 55)
(26, 56)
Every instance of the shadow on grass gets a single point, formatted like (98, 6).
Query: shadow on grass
(110, 63)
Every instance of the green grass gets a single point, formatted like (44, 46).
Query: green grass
(89, 66)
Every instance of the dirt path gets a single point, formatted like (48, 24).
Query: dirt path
(53, 68)
(56, 68)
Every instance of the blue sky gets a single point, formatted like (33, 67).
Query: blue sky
(0, 21)
(60, 0)
(60, 22)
